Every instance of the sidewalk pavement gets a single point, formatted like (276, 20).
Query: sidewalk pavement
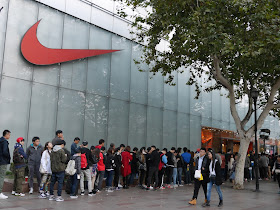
(135, 198)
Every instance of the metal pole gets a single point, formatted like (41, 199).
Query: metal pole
(256, 149)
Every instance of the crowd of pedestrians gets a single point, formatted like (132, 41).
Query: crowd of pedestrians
(84, 167)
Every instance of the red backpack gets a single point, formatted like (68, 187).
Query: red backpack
(161, 164)
(83, 161)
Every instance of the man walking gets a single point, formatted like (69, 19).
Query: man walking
(201, 163)
(34, 152)
(5, 159)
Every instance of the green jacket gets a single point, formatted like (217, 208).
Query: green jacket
(58, 159)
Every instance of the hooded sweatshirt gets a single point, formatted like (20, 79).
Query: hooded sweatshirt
(58, 159)
(20, 150)
(46, 162)
(5, 157)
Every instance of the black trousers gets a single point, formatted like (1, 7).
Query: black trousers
(142, 176)
(226, 173)
(278, 179)
(169, 173)
(116, 177)
(153, 172)
(197, 185)
(161, 177)
(246, 173)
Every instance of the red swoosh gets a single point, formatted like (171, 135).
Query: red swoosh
(36, 53)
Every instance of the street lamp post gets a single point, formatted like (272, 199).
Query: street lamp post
(255, 94)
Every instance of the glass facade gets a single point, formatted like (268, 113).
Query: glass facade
(98, 97)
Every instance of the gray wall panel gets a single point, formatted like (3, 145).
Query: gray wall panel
(154, 126)
(169, 129)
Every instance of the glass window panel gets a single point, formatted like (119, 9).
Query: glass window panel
(14, 107)
(216, 104)
(154, 127)
(155, 88)
(139, 80)
(183, 130)
(96, 115)
(169, 129)
(216, 123)
(195, 134)
(225, 106)
(171, 94)
(43, 112)
(22, 15)
(206, 122)
(49, 34)
(206, 100)
(99, 66)
(75, 36)
(137, 125)
(195, 104)
(183, 92)
(120, 68)
(70, 116)
(102, 19)
(118, 122)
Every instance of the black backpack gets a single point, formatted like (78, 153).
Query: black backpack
(17, 157)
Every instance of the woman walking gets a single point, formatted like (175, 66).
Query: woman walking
(276, 170)
(215, 178)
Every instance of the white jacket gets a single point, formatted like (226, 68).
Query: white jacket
(46, 162)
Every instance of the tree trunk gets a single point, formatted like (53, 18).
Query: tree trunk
(239, 171)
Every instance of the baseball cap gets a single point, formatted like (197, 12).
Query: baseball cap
(20, 139)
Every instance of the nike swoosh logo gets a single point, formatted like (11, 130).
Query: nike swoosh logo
(34, 52)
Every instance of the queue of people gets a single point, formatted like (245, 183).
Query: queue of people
(85, 167)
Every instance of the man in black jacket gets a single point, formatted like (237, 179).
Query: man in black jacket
(5, 159)
(201, 163)
(170, 166)
(153, 170)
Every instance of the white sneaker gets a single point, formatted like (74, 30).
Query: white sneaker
(2, 196)
(47, 194)
(74, 197)
(120, 186)
(175, 185)
(31, 191)
(180, 185)
(59, 199)
(110, 190)
(51, 198)
(19, 194)
(42, 195)
(13, 192)
(151, 188)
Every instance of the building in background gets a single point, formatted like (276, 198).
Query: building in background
(103, 96)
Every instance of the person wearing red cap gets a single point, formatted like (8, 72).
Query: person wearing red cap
(19, 157)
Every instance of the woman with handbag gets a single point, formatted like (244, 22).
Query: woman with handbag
(276, 170)
(215, 176)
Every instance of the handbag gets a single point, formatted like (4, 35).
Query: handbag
(277, 171)
(197, 174)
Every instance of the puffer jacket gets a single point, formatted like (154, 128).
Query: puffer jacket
(58, 159)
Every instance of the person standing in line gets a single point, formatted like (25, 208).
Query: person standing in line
(179, 166)
(58, 136)
(246, 169)
(201, 164)
(101, 171)
(34, 152)
(45, 170)
(95, 157)
(174, 174)
(142, 166)
(161, 168)
(19, 157)
(75, 178)
(170, 166)
(153, 170)
(227, 157)
(86, 162)
(74, 146)
(58, 166)
(118, 165)
(276, 171)
(126, 167)
(215, 178)
(134, 165)
(109, 166)
(187, 161)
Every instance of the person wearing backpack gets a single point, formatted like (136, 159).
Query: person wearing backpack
(161, 168)
(19, 157)
(34, 152)
(75, 163)
(86, 162)
(45, 170)
(58, 165)
(95, 152)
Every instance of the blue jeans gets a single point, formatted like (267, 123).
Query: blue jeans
(131, 178)
(209, 188)
(59, 177)
(74, 181)
(179, 176)
(174, 176)
(109, 178)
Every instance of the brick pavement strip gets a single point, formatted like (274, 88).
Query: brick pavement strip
(135, 198)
